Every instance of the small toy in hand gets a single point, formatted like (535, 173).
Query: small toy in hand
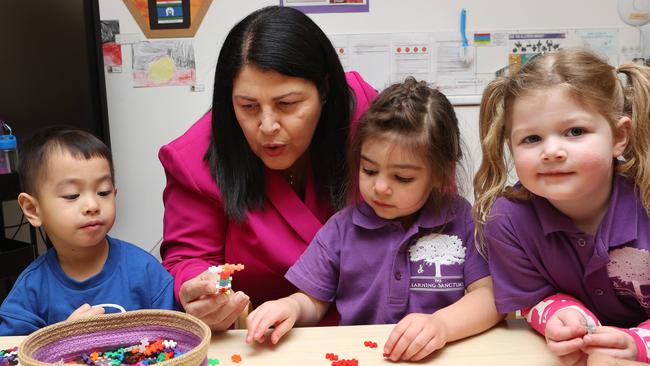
(225, 271)
(591, 328)
(591, 325)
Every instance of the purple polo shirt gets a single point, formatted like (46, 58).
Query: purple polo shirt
(377, 272)
(536, 251)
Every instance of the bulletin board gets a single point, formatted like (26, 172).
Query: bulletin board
(437, 57)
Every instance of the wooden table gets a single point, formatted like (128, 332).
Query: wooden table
(510, 343)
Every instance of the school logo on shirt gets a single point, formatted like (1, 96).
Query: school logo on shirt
(628, 270)
(436, 262)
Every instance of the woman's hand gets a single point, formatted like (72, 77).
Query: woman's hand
(219, 311)
(281, 314)
(612, 342)
(564, 332)
(415, 337)
(86, 310)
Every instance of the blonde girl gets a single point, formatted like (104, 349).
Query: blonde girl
(569, 244)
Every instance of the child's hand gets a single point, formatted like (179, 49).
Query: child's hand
(564, 332)
(415, 337)
(280, 313)
(85, 310)
(612, 342)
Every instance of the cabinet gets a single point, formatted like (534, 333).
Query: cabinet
(52, 63)
(15, 254)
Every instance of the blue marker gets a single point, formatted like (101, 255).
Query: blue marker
(463, 21)
(464, 53)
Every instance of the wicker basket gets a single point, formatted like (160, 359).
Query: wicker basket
(69, 339)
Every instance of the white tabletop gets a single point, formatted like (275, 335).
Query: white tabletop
(510, 343)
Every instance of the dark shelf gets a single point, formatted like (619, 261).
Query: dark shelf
(16, 255)
(9, 187)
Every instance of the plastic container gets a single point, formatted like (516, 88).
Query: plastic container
(7, 154)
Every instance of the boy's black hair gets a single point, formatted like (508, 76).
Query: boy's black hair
(34, 153)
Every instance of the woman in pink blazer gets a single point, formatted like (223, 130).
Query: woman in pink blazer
(253, 180)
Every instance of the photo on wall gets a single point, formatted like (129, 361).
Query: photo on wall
(168, 18)
(169, 14)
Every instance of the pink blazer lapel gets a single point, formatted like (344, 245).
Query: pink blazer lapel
(304, 217)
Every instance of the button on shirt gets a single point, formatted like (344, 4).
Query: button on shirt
(536, 251)
(377, 272)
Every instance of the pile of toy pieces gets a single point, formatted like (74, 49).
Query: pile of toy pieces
(225, 271)
(341, 362)
(146, 353)
(9, 357)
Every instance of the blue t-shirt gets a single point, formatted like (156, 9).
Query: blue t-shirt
(376, 272)
(43, 294)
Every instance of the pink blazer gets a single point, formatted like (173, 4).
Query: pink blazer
(198, 234)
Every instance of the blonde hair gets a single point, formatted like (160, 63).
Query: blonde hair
(592, 82)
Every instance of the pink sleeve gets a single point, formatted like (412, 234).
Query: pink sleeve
(641, 336)
(538, 315)
(194, 222)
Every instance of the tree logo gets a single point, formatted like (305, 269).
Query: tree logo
(438, 249)
(628, 269)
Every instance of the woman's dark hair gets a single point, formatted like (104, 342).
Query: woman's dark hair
(286, 41)
(34, 153)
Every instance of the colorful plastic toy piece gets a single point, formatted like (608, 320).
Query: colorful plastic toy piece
(168, 343)
(236, 358)
(331, 356)
(225, 271)
(9, 357)
(344, 362)
(370, 344)
(591, 328)
(158, 351)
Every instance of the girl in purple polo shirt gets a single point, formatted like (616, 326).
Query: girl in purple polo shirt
(405, 254)
(570, 243)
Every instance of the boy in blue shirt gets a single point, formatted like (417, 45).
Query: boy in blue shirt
(68, 189)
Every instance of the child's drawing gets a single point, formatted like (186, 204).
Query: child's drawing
(111, 50)
(163, 63)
